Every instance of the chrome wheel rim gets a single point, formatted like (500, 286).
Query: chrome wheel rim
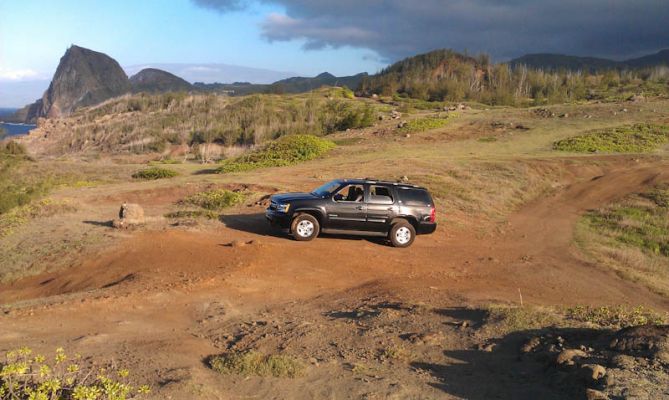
(403, 235)
(305, 228)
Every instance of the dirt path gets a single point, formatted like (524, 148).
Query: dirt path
(152, 299)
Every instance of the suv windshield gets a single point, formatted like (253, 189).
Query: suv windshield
(327, 189)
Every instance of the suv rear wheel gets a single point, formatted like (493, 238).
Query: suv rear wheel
(305, 227)
(402, 234)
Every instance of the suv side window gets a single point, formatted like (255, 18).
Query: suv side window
(350, 193)
(415, 197)
(380, 195)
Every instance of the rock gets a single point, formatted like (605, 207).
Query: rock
(375, 96)
(623, 361)
(402, 124)
(593, 371)
(592, 394)
(407, 136)
(404, 178)
(237, 243)
(636, 98)
(130, 214)
(566, 357)
(530, 345)
(649, 341)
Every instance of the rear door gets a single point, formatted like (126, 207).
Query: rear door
(381, 207)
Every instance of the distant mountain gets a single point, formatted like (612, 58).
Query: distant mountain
(652, 60)
(84, 77)
(301, 84)
(152, 80)
(290, 85)
(214, 72)
(554, 62)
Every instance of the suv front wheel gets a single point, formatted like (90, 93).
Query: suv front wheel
(305, 227)
(402, 234)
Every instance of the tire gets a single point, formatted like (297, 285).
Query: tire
(402, 234)
(305, 227)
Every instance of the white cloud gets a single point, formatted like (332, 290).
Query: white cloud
(9, 74)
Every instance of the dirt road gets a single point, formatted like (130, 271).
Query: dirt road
(163, 301)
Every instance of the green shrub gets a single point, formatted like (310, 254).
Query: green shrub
(639, 138)
(287, 150)
(27, 376)
(154, 173)
(423, 124)
(253, 363)
(216, 199)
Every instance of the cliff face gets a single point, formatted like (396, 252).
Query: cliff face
(83, 77)
(153, 80)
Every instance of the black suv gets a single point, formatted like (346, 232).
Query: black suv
(398, 211)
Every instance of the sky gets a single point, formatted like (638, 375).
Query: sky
(307, 37)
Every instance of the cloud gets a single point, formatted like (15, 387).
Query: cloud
(9, 74)
(398, 28)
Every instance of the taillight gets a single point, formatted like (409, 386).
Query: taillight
(433, 215)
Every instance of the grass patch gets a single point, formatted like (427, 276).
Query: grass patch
(502, 320)
(632, 238)
(154, 173)
(423, 124)
(249, 363)
(616, 316)
(640, 221)
(639, 138)
(487, 139)
(216, 199)
(287, 150)
(192, 214)
(168, 161)
(18, 216)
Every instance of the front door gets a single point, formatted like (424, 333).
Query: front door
(381, 208)
(347, 210)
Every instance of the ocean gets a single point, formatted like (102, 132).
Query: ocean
(16, 129)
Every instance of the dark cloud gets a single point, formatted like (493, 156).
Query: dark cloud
(398, 28)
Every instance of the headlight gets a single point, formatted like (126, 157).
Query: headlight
(283, 208)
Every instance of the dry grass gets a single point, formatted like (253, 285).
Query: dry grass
(249, 363)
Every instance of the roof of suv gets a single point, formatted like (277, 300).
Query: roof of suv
(361, 181)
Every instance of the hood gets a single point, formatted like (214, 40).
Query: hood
(288, 197)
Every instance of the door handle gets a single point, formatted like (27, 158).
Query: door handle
(389, 208)
(358, 208)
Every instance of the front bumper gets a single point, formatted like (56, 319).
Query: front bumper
(276, 218)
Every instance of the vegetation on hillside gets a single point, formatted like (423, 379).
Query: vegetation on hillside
(149, 123)
(639, 138)
(444, 75)
(287, 150)
(215, 199)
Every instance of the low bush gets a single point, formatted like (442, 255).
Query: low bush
(423, 124)
(27, 376)
(639, 138)
(216, 199)
(154, 173)
(287, 150)
(254, 363)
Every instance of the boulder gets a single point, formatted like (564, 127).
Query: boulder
(130, 214)
(649, 341)
(566, 357)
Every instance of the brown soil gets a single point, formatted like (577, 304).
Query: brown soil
(162, 301)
